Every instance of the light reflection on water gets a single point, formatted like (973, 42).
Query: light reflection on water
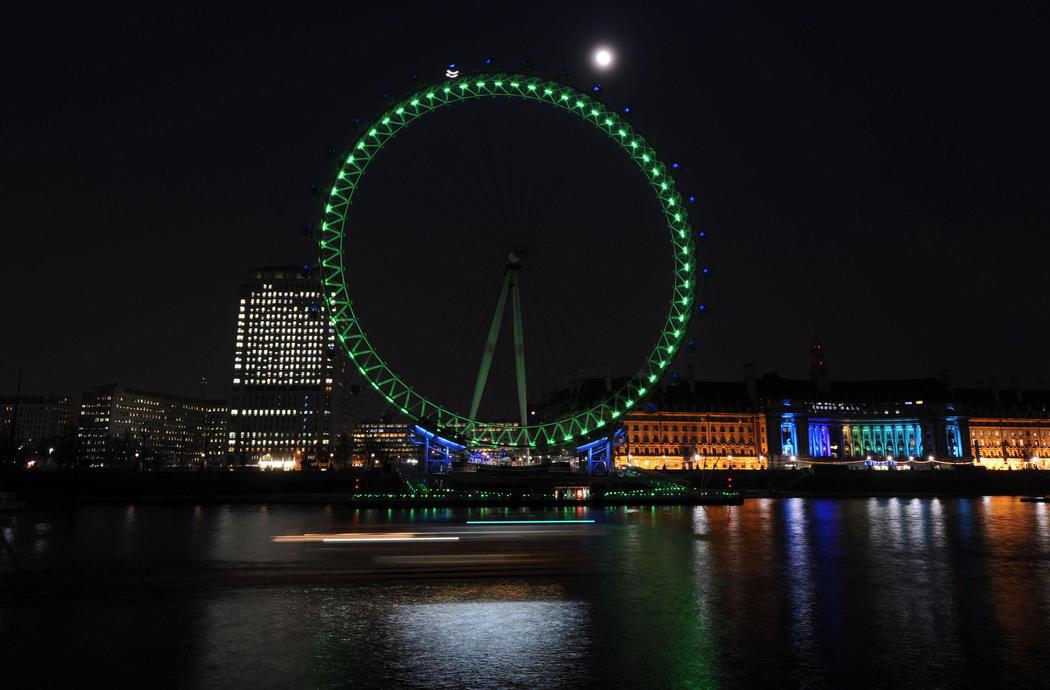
(951, 591)
(798, 577)
(482, 643)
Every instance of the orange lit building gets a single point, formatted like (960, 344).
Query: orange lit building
(1009, 429)
(696, 425)
(694, 440)
(1010, 443)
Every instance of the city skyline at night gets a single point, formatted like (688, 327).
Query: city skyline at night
(533, 345)
(804, 236)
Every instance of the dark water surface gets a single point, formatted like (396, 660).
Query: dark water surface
(786, 593)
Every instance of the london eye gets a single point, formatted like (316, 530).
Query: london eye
(338, 244)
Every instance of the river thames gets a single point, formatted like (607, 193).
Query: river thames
(777, 592)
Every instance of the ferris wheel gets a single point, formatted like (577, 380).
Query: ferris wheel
(464, 425)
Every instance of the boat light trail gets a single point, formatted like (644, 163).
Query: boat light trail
(360, 537)
(530, 522)
(347, 540)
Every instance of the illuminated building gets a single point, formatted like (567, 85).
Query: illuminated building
(696, 425)
(128, 428)
(380, 442)
(1009, 430)
(911, 422)
(861, 421)
(773, 422)
(686, 424)
(284, 373)
(216, 423)
(776, 422)
(36, 427)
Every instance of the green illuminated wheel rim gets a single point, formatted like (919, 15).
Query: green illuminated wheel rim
(375, 370)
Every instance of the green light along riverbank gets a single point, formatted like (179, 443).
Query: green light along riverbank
(377, 489)
(152, 487)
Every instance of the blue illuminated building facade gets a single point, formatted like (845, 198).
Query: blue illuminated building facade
(861, 420)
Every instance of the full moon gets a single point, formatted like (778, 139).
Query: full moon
(603, 57)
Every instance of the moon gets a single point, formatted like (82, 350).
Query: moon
(603, 57)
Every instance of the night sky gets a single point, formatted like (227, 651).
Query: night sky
(875, 174)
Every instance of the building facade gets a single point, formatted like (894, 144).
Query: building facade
(694, 441)
(775, 422)
(862, 421)
(695, 426)
(1011, 444)
(376, 443)
(37, 429)
(127, 428)
(1009, 429)
(285, 364)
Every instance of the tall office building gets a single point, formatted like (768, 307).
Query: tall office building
(285, 373)
(129, 428)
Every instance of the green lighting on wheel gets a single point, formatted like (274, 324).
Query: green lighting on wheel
(354, 339)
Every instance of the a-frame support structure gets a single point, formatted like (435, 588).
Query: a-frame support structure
(511, 279)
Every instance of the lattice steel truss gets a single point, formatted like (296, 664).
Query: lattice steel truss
(403, 397)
